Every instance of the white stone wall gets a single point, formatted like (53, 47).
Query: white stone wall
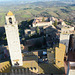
(12, 35)
(71, 72)
(42, 24)
(64, 39)
(67, 30)
(32, 32)
(63, 23)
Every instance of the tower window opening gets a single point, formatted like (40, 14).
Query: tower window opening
(10, 20)
(17, 63)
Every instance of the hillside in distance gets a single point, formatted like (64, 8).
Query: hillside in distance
(27, 11)
(16, 2)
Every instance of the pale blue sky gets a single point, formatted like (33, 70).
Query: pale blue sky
(35, 0)
(7, 0)
(25, 0)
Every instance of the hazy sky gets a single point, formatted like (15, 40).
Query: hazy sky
(7, 0)
(25, 0)
(15, 0)
(33, 0)
(21, 0)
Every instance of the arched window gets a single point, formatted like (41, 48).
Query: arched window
(31, 68)
(35, 68)
(10, 20)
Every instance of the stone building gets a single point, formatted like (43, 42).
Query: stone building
(13, 40)
(41, 24)
(59, 21)
(31, 31)
(71, 68)
(41, 21)
(50, 55)
(72, 42)
(66, 31)
(59, 55)
(70, 63)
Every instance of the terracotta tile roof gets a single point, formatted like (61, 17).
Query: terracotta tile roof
(10, 13)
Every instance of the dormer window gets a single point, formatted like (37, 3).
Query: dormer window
(10, 20)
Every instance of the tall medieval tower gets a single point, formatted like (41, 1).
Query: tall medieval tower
(13, 40)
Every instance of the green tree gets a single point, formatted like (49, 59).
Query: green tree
(28, 20)
(37, 30)
(55, 23)
(43, 19)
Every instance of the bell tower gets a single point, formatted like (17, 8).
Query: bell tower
(13, 40)
(10, 18)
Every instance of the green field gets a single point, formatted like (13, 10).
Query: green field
(30, 11)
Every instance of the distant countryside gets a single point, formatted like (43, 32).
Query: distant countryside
(28, 11)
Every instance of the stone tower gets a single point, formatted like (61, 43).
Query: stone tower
(12, 34)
